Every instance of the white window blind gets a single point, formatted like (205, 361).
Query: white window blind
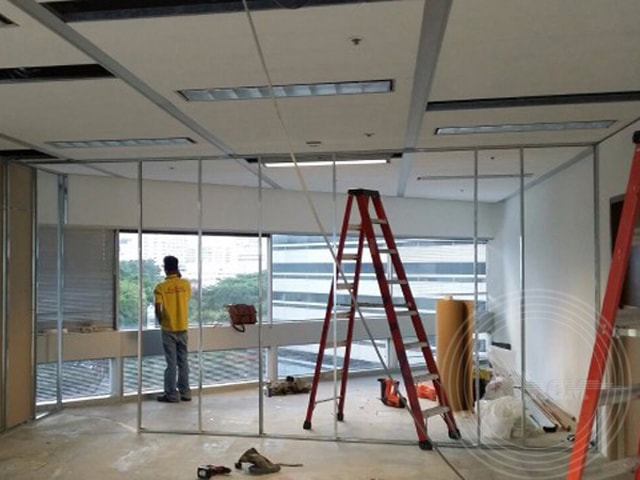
(88, 283)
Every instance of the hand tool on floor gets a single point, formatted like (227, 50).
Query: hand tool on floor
(208, 471)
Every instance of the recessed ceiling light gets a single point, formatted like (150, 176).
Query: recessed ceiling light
(293, 90)
(326, 163)
(523, 127)
(127, 142)
(486, 176)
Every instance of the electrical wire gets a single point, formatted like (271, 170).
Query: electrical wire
(318, 222)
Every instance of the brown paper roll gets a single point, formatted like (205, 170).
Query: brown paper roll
(453, 354)
(468, 321)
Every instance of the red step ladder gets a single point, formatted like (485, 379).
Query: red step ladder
(365, 231)
(594, 395)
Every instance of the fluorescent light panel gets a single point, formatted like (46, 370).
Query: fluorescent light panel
(128, 142)
(524, 127)
(325, 163)
(485, 176)
(299, 90)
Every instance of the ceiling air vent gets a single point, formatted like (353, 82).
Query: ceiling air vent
(533, 101)
(53, 73)
(4, 21)
(85, 11)
(24, 154)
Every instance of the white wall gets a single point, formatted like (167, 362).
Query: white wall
(560, 278)
(559, 281)
(101, 201)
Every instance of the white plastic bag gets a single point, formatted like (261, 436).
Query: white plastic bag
(499, 387)
(498, 417)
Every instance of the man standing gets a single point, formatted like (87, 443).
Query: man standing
(172, 312)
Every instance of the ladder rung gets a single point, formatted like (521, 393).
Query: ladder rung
(406, 313)
(425, 377)
(628, 322)
(328, 399)
(397, 281)
(613, 395)
(349, 256)
(345, 286)
(612, 469)
(416, 345)
(432, 412)
(390, 251)
(370, 305)
(379, 221)
(354, 227)
(345, 314)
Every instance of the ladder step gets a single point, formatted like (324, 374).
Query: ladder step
(416, 345)
(344, 314)
(379, 221)
(425, 377)
(622, 394)
(397, 281)
(370, 305)
(349, 256)
(354, 227)
(406, 313)
(628, 322)
(328, 399)
(434, 411)
(344, 286)
(612, 469)
(390, 251)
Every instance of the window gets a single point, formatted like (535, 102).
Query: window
(229, 273)
(303, 270)
(220, 367)
(80, 379)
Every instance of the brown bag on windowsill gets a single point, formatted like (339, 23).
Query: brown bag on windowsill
(241, 314)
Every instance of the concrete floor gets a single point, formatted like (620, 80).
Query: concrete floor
(103, 442)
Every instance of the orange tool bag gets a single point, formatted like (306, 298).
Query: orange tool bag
(426, 390)
(389, 393)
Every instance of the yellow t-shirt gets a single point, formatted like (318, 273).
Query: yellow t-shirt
(174, 294)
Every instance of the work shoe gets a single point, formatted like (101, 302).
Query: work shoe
(185, 397)
(165, 399)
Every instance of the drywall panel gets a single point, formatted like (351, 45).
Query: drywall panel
(19, 393)
(99, 201)
(560, 282)
(559, 262)
(503, 275)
